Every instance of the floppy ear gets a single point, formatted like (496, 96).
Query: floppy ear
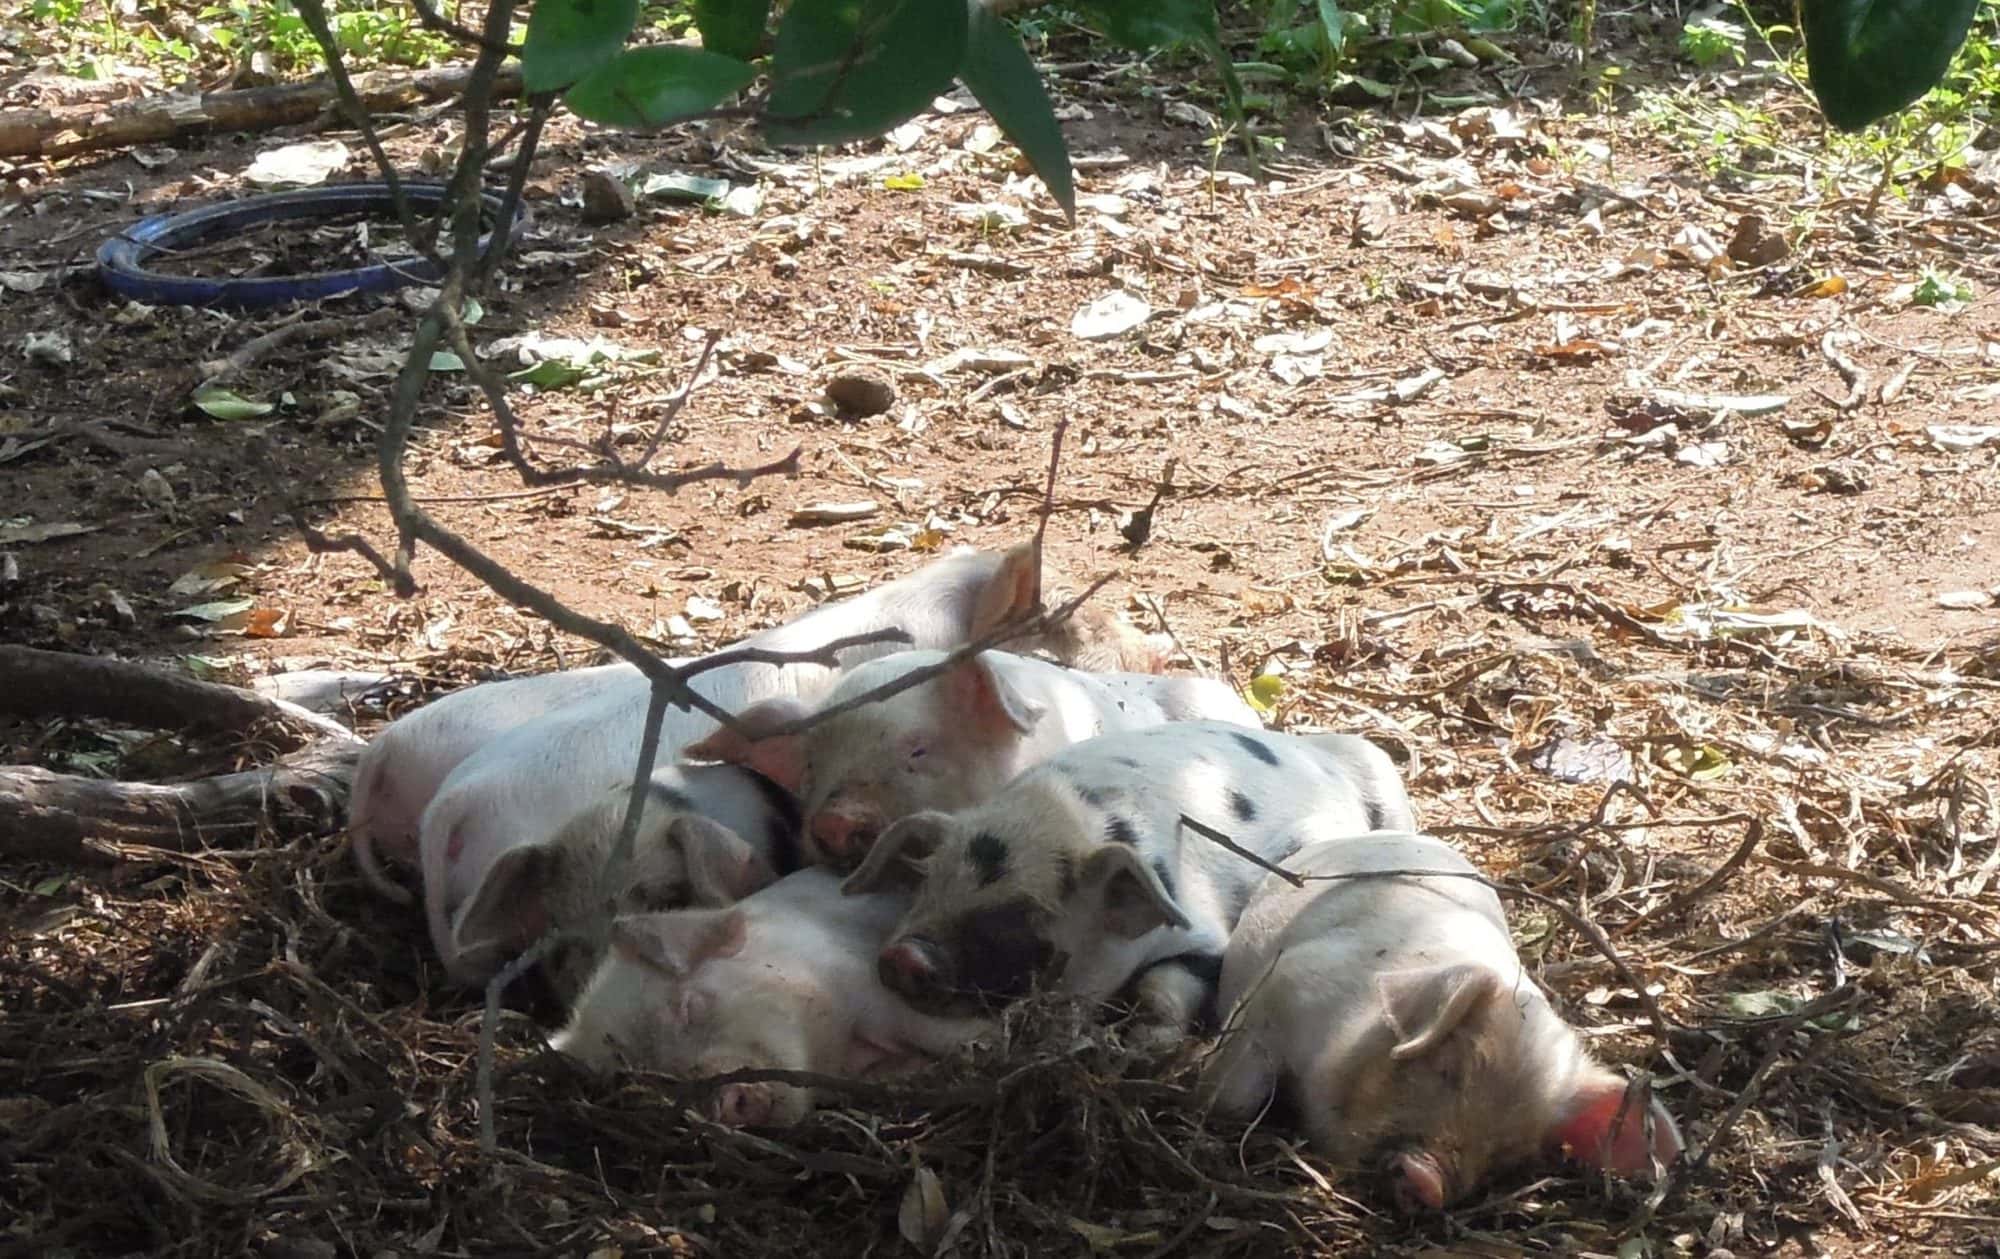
(509, 908)
(975, 691)
(1013, 591)
(1606, 1126)
(896, 860)
(722, 867)
(782, 758)
(1424, 1006)
(1132, 897)
(675, 942)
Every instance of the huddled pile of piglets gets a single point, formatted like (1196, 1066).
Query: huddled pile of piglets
(869, 893)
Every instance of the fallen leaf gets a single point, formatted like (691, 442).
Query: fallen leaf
(910, 182)
(1595, 760)
(835, 513)
(224, 404)
(23, 533)
(208, 578)
(1112, 315)
(924, 1214)
(1831, 286)
(214, 611)
(1957, 439)
(1266, 689)
(310, 162)
(1965, 599)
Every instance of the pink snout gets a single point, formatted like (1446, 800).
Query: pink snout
(845, 834)
(743, 1105)
(910, 966)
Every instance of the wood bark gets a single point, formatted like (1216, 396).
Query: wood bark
(62, 817)
(68, 129)
(35, 683)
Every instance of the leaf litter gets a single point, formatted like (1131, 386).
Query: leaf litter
(1727, 722)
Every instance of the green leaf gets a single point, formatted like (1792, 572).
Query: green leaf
(1869, 58)
(1334, 24)
(1003, 78)
(733, 28)
(1266, 689)
(224, 405)
(550, 374)
(848, 69)
(642, 88)
(446, 361)
(567, 39)
(1146, 25)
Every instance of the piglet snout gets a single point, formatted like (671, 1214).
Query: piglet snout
(911, 966)
(743, 1105)
(843, 835)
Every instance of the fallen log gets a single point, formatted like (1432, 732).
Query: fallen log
(65, 130)
(36, 683)
(62, 817)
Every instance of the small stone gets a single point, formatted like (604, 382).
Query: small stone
(606, 198)
(861, 393)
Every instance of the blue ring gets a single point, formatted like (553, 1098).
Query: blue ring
(120, 260)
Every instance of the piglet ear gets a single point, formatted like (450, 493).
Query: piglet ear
(1425, 1006)
(676, 942)
(1616, 1127)
(722, 868)
(1132, 897)
(509, 909)
(895, 861)
(780, 758)
(977, 693)
(1013, 592)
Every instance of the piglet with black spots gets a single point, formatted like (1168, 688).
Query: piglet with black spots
(784, 980)
(1078, 876)
(947, 742)
(1395, 1012)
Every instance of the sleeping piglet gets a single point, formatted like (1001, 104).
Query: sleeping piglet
(784, 980)
(1079, 875)
(552, 741)
(1396, 1012)
(947, 742)
(708, 835)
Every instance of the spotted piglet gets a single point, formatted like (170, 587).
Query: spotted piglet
(1396, 1013)
(945, 743)
(784, 980)
(1079, 874)
(708, 835)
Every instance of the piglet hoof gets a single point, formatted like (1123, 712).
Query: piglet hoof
(743, 1105)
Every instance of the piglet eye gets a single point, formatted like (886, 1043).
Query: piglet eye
(917, 752)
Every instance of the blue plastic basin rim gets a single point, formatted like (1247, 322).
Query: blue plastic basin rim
(121, 260)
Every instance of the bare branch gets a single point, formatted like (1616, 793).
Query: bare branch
(826, 654)
(680, 399)
(422, 238)
(1216, 837)
(431, 19)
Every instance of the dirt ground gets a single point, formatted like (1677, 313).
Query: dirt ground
(1495, 434)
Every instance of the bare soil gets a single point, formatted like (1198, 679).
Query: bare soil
(1458, 510)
